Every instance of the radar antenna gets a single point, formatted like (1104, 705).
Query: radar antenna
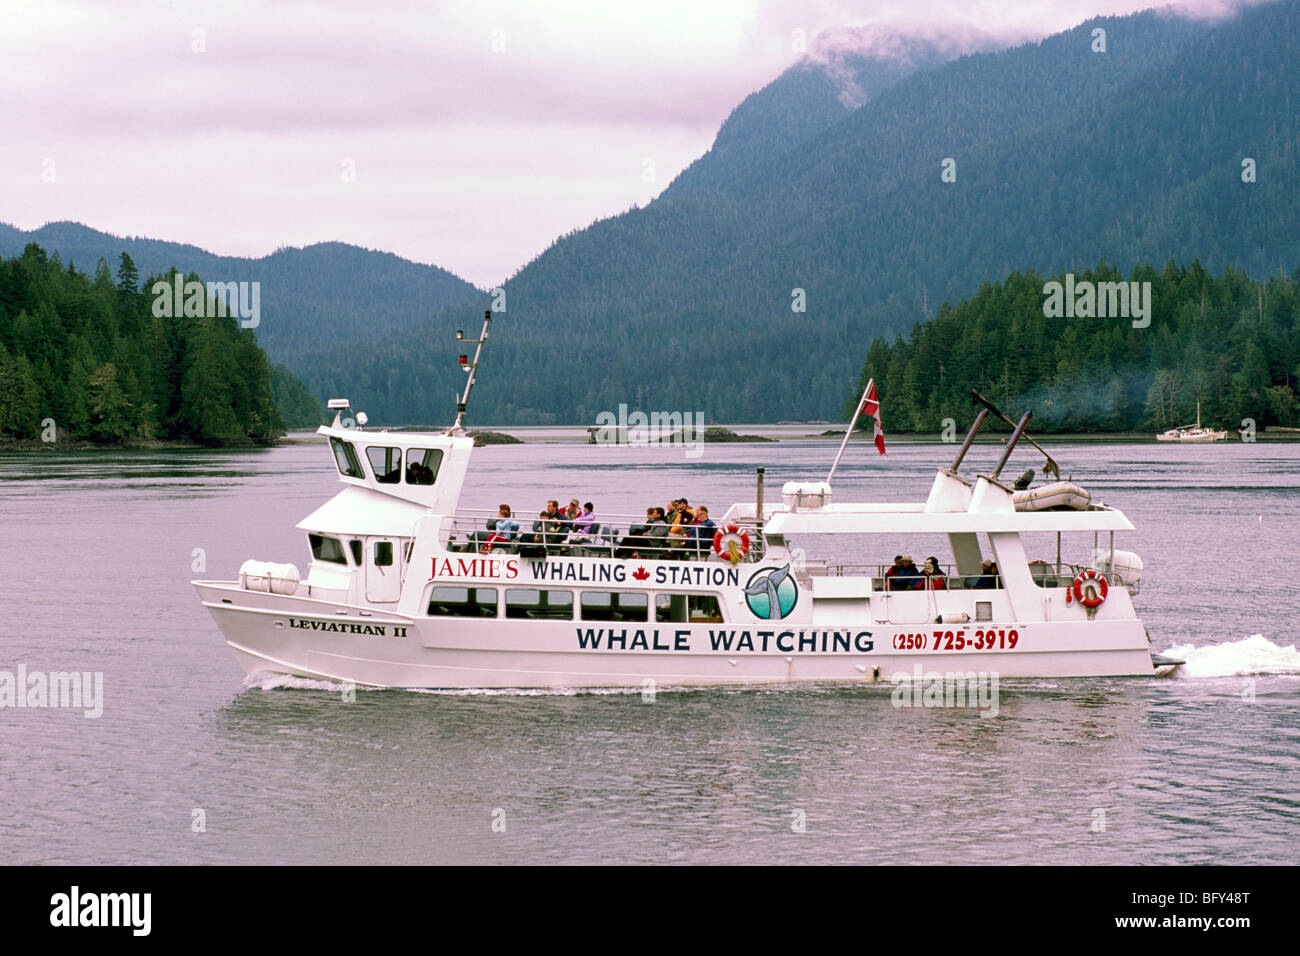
(462, 400)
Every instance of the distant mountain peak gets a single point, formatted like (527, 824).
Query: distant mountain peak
(841, 52)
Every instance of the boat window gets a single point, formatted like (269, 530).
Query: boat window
(422, 465)
(463, 602)
(614, 606)
(545, 605)
(355, 545)
(324, 548)
(687, 608)
(346, 456)
(383, 554)
(407, 551)
(386, 463)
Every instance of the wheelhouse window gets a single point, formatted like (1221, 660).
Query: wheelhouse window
(422, 465)
(383, 554)
(355, 545)
(687, 608)
(346, 457)
(538, 604)
(386, 463)
(325, 548)
(463, 602)
(614, 606)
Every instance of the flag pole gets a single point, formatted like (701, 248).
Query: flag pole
(849, 434)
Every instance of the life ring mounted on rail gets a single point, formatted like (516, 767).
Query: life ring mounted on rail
(1090, 590)
(731, 542)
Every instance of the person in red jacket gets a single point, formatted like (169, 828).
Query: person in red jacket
(891, 584)
(934, 579)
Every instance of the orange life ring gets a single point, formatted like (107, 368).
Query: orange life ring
(1096, 595)
(736, 540)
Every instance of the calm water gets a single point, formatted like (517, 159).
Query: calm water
(99, 549)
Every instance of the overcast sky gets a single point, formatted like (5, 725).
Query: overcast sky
(464, 134)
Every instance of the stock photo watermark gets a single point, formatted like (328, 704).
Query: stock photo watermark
(56, 690)
(215, 300)
(122, 910)
(1085, 299)
(639, 429)
(952, 689)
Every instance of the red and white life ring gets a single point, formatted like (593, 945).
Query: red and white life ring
(1095, 594)
(731, 542)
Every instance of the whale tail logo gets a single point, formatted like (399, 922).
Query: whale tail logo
(771, 593)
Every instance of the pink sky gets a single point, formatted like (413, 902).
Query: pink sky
(479, 130)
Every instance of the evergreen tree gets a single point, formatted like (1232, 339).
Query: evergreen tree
(89, 353)
(110, 412)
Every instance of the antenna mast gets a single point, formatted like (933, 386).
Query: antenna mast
(462, 400)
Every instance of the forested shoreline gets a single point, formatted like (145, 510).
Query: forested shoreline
(84, 358)
(1232, 343)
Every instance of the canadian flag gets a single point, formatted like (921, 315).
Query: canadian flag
(871, 406)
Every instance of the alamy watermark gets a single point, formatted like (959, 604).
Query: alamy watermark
(638, 428)
(198, 300)
(75, 690)
(1086, 299)
(127, 910)
(951, 689)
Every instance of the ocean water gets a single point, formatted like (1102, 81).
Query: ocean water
(192, 763)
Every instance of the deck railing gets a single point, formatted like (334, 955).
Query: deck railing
(611, 536)
(1048, 577)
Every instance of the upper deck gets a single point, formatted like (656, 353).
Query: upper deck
(953, 507)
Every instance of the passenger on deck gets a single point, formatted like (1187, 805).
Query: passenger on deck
(634, 537)
(656, 536)
(506, 524)
(548, 529)
(585, 522)
(933, 577)
(501, 530)
(987, 579)
(909, 576)
(680, 522)
(645, 540)
(702, 532)
(891, 576)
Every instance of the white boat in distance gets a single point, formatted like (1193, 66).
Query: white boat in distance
(1193, 432)
(407, 590)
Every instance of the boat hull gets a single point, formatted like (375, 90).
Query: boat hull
(311, 639)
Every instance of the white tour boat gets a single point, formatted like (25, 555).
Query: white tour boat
(407, 590)
(1193, 432)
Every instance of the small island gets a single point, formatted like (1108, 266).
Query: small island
(715, 433)
(482, 438)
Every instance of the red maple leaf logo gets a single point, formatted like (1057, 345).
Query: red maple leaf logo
(640, 574)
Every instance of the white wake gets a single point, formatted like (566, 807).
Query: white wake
(1251, 655)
